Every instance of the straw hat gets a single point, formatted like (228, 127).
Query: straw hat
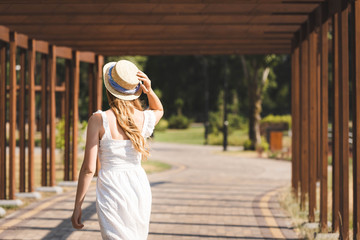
(121, 81)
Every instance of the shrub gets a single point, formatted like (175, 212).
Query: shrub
(217, 139)
(263, 146)
(216, 122)
(162, 125)
(60, 134)
(277, 119)
(248, 145)
(179, 122)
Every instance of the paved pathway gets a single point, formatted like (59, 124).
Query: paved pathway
(206, 196)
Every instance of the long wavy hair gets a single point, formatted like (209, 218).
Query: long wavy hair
(123, 110)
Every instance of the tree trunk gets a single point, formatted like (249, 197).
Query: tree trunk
(255, 89)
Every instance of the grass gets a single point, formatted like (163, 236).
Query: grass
(195, 135)
(152, 166)
(299, 217)
(192, 135)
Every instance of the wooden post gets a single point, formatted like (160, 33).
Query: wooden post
(312, 119)
(44, 110)
(52, 67)
(12, 104)
(98, 89)
(91, 86)
(355, 78)
(304, 118)
(295, 113)
(344, 118)
(99, 81)
(22, 121)
(335, 127)
(75, 117)
(3, 121)
(67, 122)
(31, 140)
(324, 43)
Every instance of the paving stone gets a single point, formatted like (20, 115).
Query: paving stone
(206, 195)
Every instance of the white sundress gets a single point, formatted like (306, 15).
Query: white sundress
(123, 194)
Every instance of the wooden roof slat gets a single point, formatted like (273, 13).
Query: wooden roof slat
(158, 26)
(166, 8)
(218, 19)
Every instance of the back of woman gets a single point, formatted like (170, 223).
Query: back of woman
(118, 136)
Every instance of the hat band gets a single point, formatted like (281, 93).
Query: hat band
(117, 87)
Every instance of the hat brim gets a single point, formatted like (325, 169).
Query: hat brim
(113, 91)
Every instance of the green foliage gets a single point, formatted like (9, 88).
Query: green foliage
(162, 125)
(179, 122)
(139, 61)
(60, 134)
(179, 103)
(263, 146)
(248, 145)
(216, 122)
(217, 139)
(277, 119)
(158, 92)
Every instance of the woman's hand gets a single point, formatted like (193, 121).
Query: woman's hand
(146, 83)
(76, 219)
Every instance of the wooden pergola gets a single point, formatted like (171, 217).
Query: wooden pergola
(85, 31)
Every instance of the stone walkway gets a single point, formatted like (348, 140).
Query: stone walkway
(207, 195)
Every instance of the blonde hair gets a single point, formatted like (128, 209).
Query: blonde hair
(123, 110)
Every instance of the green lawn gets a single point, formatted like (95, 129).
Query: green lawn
(192, 135)
(195, 135)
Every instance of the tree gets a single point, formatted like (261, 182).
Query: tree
(257, 70)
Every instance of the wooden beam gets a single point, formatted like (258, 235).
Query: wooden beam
(355, 79)
(335, 128)
(3, 121)
(88, 57)
(196, 52)
(22, 168)
(44, 115)
(4, 34)
(295, 112)
(312, 53)
(324, 78)
(151, 18)
(174, 2)
(64, 52)
(172, 42)
(67, 121)
(99, 81)
(304, 117)
(12, 104)
(52, 72)
(344, 119)
(22, 41)
(31, 139)
(91, 83)
(75, 116)
(42, 47)
(166, 36)
(98, 94)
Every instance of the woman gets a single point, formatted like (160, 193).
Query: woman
(118, 136)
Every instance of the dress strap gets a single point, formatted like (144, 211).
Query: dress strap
(107, 134)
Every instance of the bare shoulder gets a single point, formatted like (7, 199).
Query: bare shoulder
(95, 121)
